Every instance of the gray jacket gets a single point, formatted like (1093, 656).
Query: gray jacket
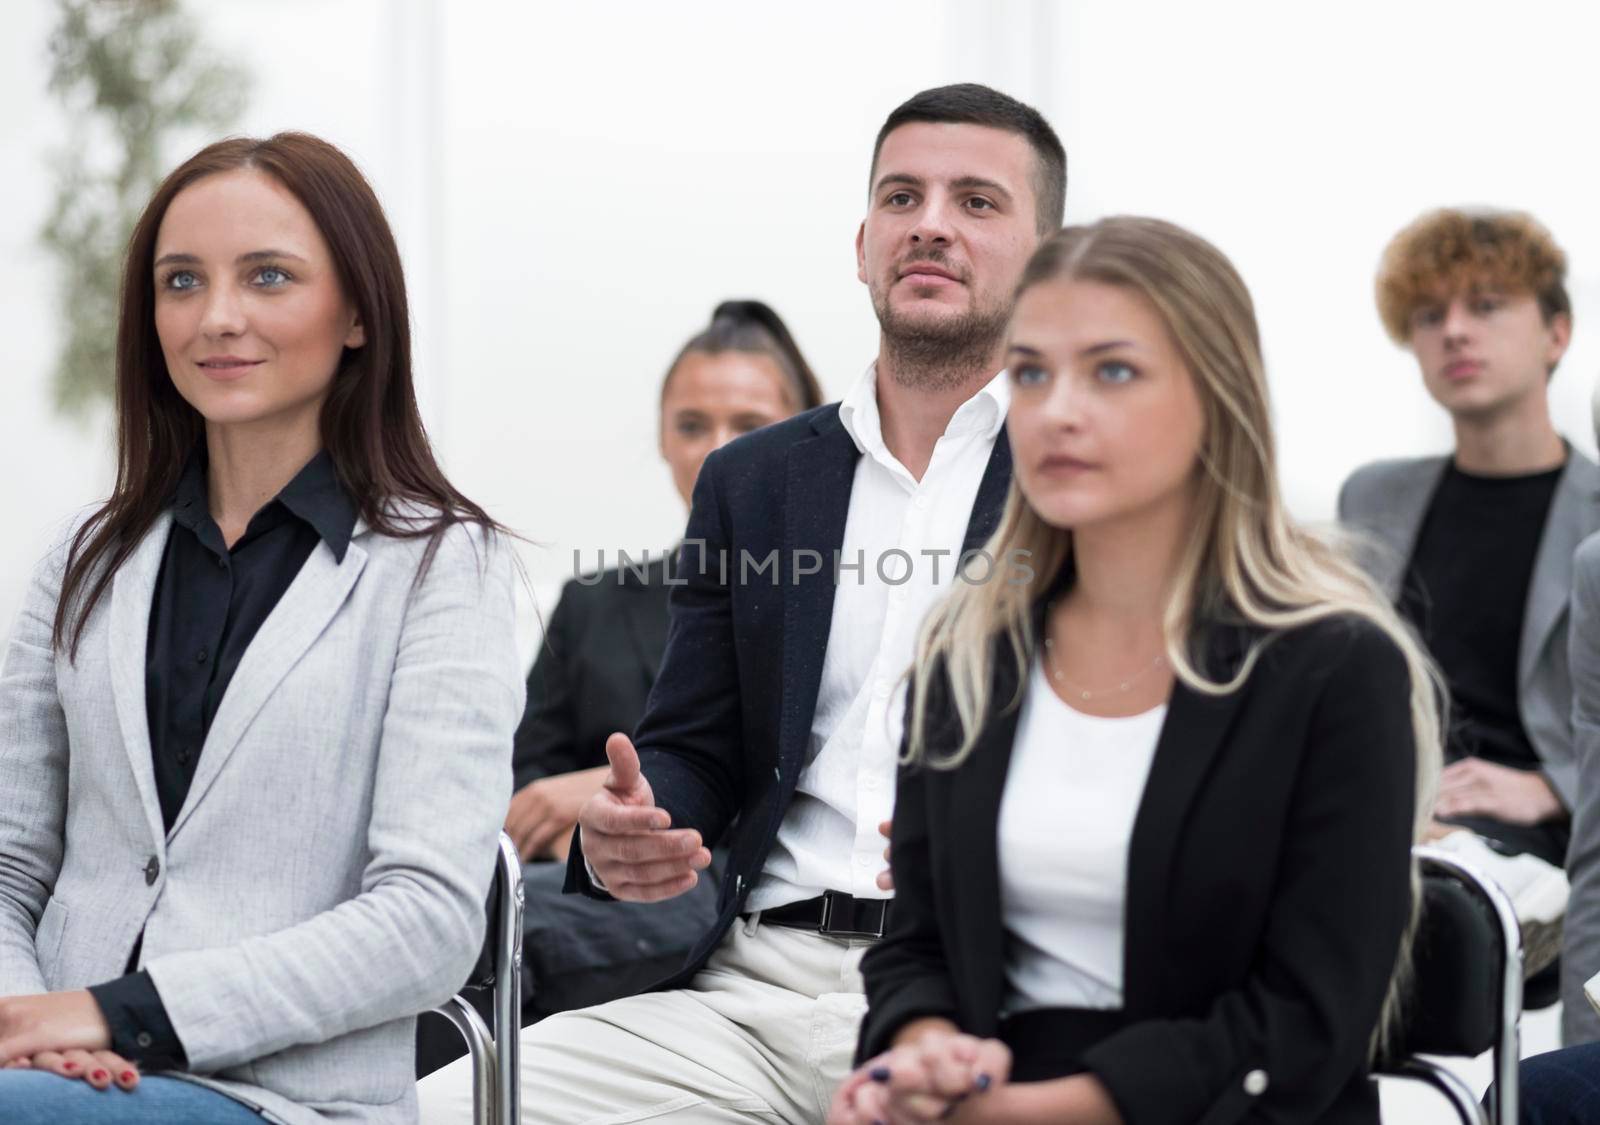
(1386, 502)
(1580, 954)
(325, 878)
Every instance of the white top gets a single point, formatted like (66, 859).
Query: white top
(829, 836)
(1071, 796)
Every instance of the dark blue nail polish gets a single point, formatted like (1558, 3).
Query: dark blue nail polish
(879, 1074)
(983, 1082)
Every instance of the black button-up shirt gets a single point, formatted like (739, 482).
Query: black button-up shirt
(210, 600)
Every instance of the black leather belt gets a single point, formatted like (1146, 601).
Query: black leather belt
(835, 914)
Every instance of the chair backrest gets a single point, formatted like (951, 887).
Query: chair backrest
(483, 969)
(1454, 1003)
(505, 894)
(495, 989)
(1465, 994)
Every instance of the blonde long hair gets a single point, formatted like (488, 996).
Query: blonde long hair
(1244, 555)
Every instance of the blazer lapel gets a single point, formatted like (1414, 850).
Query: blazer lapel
(816, 505)
(1190, 739)
(992, 492)
(1574, 514)
(290, 629)
(969, 826)
(1401, 523)
(133, 589)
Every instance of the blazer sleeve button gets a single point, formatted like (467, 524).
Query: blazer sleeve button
(152, 871)
(144, 1039)
(1255, 1083)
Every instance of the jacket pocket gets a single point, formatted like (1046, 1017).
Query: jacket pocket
(47, 939)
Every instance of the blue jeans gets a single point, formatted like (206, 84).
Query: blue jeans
(1562, 1087)
(33, 1097)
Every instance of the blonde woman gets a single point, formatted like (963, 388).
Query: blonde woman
(1151, 842)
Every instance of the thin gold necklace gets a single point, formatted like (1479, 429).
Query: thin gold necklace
(1086, 694)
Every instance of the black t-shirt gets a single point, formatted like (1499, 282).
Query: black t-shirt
(1466, 590)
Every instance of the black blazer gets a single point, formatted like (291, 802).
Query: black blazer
(600, 654)
(724, 734)
(1268, 886)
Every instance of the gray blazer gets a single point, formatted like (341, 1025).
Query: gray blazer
(1386, 502)
(325, 879)
(1580, 954)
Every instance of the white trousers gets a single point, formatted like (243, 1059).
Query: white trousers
(765, 1033)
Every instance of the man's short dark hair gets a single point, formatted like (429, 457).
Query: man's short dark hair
(968, 103)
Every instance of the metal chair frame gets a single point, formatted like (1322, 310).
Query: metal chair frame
(1456, 1091)
(1507, 1048)
(497, 1055)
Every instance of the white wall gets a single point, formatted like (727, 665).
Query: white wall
(574, 187)
(48, 467)
(1300, 139)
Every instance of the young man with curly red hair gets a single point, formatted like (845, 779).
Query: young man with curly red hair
(1476, 547)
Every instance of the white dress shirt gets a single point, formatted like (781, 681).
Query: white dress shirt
(1066, 819)
(907, 535)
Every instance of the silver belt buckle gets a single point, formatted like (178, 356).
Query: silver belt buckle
(827, 928)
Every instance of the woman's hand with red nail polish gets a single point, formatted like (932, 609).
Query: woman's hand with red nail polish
(119, 1071)
(51, 1021)
(100, 1069)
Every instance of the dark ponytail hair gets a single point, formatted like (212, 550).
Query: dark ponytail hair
(753, 328)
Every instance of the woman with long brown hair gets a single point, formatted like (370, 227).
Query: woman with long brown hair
(256, 713)
(1152, 832)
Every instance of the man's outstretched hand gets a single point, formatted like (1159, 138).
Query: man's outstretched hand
(629, 842)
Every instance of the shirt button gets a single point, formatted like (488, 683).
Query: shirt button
(200, 657)
(222, 563)
(152, 871)
(922, 502)
(144, 1039)
(185, 756)
(1255, 1083)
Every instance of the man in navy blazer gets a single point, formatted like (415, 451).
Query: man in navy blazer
(814, 549)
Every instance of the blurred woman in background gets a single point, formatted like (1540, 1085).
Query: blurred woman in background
(605, 638)
(592, 676)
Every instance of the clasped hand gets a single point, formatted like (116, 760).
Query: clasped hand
(629, 842)
(64, 1033)
(943, 1075)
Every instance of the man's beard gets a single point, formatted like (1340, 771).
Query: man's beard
(939, 355)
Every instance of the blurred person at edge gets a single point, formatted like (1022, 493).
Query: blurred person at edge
(1197, 704)
(607, 633)
(1563, 1087)
(772, 726)
(594, 671)
(1476, 547)
(256, 713)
